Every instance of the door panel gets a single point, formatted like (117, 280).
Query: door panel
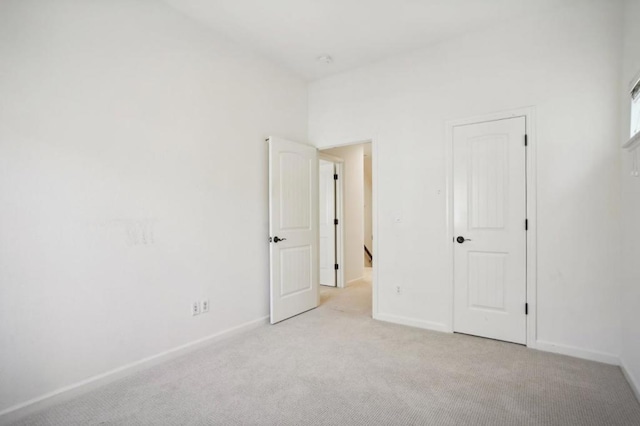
(295, 182)
(327, 226)
(488, 179)
(490, 212)
(487, 285)
(293, 219)
(295, 270)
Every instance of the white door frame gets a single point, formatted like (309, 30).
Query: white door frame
(374, 208)
(339, 170)
(532, 284)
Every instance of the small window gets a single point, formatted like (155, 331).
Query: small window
(633, 144)
(635, 109)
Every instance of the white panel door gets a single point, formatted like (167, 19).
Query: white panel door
(327, 224)
(293, 228)
(489, 209)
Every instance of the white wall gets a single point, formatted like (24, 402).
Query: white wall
(630, 355)
(564, 63)
(353, 207)
(133, 181)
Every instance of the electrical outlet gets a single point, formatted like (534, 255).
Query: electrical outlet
(195, 308)
(398, 290)
(205, 306)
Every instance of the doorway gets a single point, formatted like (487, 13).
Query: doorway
(346, 215)
(490, 218)
(294, 227)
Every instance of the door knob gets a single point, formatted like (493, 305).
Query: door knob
(462, 239)
(276, 239)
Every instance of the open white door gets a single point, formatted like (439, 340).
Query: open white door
(293, 228)
(489, 209)
(327, 224)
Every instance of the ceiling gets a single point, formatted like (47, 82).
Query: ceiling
(354, 33)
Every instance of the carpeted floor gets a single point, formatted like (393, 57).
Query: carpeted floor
(335, 365)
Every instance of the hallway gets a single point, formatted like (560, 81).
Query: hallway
(354, 299)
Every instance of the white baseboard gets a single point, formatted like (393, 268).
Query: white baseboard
(411, 322)
(633, 381)
(573, 351)
(21, 410)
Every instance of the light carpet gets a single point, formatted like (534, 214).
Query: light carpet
(335, 365)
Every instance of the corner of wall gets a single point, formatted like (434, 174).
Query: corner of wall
(634, 382)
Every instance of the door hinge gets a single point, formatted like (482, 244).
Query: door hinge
(526, 224)
(526, 140)
(526, 309)
(335, 176)
(335, 221)
(335, 266)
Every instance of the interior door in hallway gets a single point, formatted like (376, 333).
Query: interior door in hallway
(489, 212)
(293, 228)
(327, 223)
